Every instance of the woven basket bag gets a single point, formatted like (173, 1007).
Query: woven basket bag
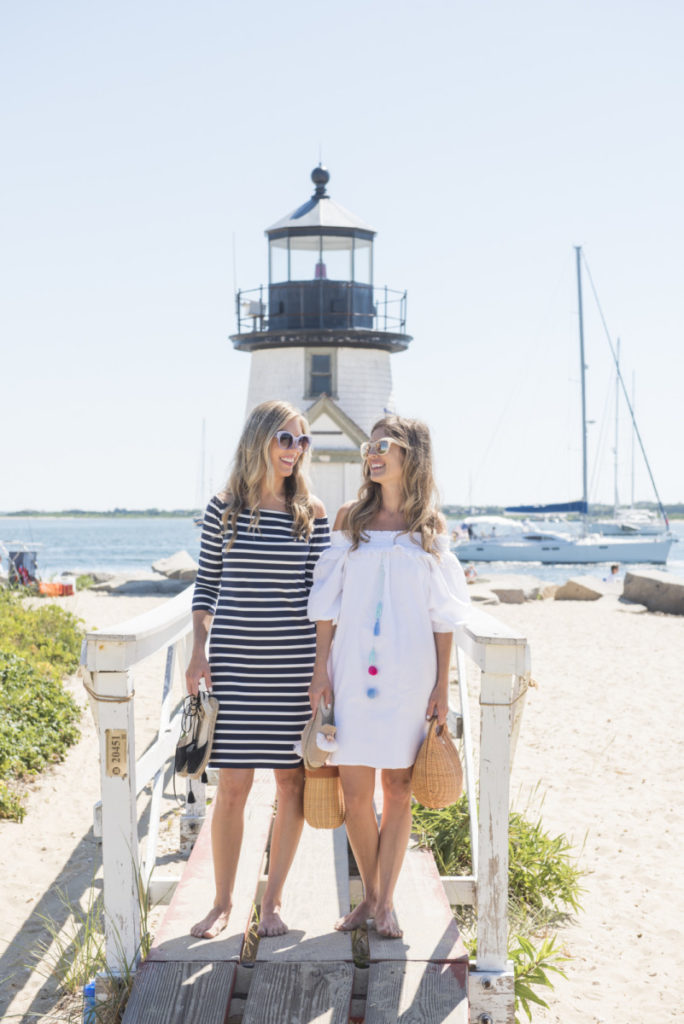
(437, 779)
(323, 797)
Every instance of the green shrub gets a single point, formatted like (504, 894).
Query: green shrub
(542, 871)
(543, 882)
(48, 636)
(38, 717)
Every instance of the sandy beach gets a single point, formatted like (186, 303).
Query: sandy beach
(601, 740)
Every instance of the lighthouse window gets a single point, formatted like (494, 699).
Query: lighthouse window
(362, 261)
(320, 366)
(304, 261)
(336, 257)
(279, 260)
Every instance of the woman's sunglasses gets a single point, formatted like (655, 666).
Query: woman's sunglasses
(286, 440)
(379, 447)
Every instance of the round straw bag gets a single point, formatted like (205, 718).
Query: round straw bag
(437, 779)
(323, 798)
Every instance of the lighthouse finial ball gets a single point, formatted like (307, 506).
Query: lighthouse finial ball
(320, 177)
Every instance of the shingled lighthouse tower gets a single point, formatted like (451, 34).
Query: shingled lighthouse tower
(322, 334)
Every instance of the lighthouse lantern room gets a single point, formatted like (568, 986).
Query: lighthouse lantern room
(322, 335)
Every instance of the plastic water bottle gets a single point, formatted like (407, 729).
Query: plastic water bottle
(89, 1015)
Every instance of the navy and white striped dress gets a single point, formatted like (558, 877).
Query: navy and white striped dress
(262, 644)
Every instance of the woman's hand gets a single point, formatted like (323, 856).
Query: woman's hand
(320, 689)
(196, 670)
(438, 704)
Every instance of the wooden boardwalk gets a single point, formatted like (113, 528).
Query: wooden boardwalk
(309, 974)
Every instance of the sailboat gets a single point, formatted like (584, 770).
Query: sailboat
(496, 539)
(627, 521)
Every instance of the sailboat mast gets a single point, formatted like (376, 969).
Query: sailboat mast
(616, 498)
(633, 408)
(585, 489)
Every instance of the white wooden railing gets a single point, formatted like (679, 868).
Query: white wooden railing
(502, 660)
(499, 656)
(108, 667)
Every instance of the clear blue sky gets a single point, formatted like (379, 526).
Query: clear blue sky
(482, 141)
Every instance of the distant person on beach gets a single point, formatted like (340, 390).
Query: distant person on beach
(394, 592)
(261, 539)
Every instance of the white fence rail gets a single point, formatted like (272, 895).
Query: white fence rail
(110, 659)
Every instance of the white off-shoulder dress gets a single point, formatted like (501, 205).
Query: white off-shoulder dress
(387, 600)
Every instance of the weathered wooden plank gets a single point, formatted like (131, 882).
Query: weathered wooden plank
(195, 891)
(176, 993)
(316, 895)
(299, 993)
(491, 995)
(422, 909)
(417, 993)
(424, 914)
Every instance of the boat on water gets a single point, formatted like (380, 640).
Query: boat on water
(631, 522)
(498, 539)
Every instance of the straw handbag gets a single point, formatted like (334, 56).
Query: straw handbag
(437, 779)
(323, 797)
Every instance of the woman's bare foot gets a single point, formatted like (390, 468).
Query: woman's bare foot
(386, 924)
(357, 918)
(271, 923)
(211, 925)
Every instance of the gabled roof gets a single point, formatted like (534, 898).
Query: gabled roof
(326, 406)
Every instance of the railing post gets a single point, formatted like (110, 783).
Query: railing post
(492, 982)
(495, 770)
(113, 694)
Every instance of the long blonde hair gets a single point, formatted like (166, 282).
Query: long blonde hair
(252, 467)
(419, 498)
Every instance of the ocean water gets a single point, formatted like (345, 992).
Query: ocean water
(111, 544)
(101, 544)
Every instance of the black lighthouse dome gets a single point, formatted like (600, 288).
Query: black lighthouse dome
(320, 177)
(320, 283)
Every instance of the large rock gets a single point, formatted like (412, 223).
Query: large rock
(581, 588)
(479, 593)
(180, 566)
(140, 584)
(511, 589)
(657, 590)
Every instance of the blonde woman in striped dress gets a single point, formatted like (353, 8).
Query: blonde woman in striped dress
(260, 541)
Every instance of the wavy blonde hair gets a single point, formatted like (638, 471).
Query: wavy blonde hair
(419, 503)
(252, 467)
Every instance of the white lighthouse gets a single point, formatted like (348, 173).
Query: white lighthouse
(323, 335)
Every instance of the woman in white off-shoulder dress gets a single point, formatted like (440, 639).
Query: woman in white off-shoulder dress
(391, 593)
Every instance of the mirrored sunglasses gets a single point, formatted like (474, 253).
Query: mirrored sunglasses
(379, 447)
(286, 440)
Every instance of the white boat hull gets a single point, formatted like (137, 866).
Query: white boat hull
(565, 550)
